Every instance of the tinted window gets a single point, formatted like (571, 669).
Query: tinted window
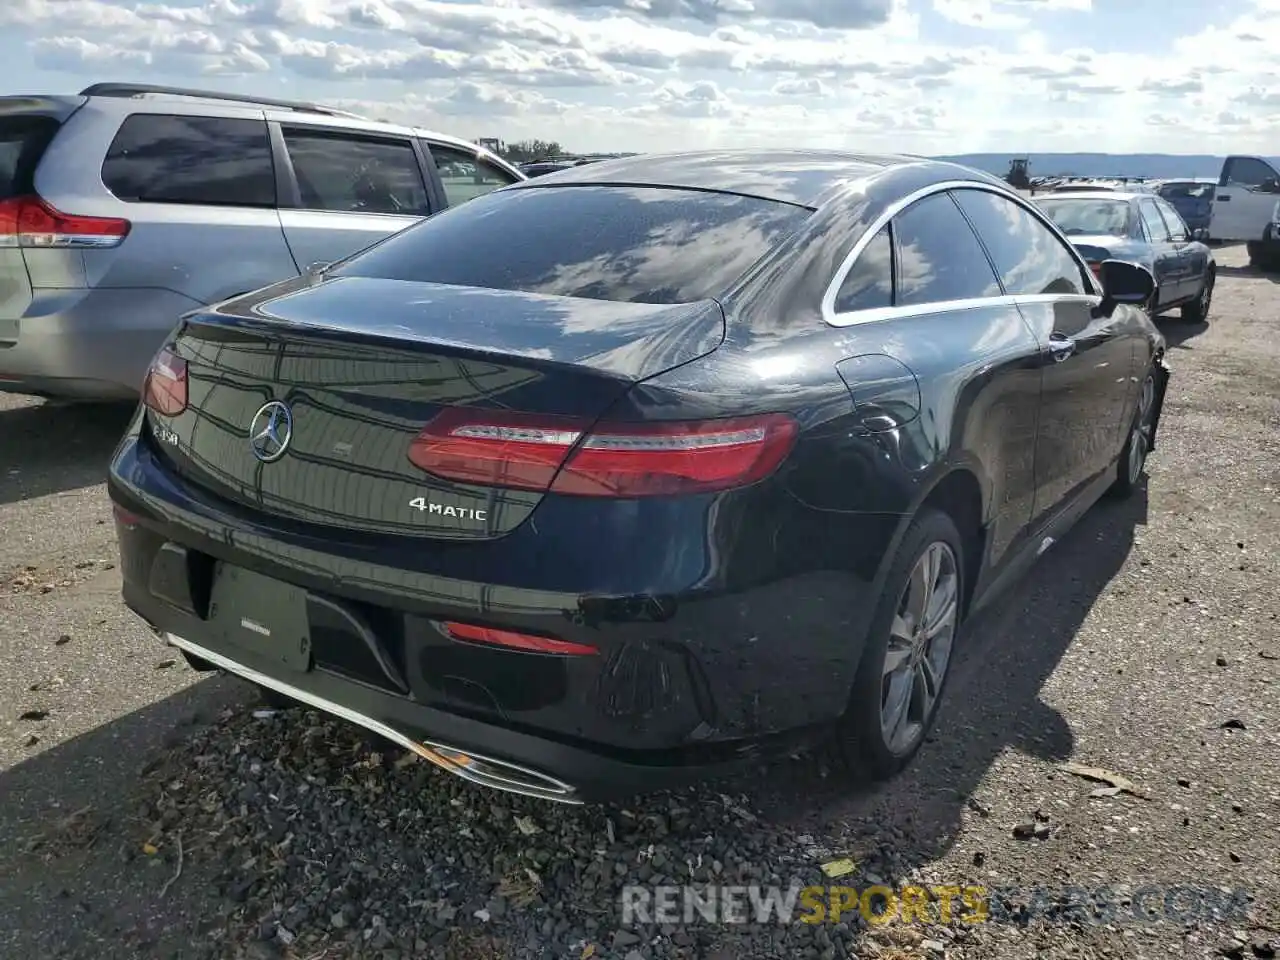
(349, 175)
(1177, 191)
(1031, 260)
(1249, 172)
(1172, 220)
(638, 244)
(1082, 217)
(204, 160)
(22, 142)
(869, 283)
(1152, 224)
(938, 257)
(464, 176)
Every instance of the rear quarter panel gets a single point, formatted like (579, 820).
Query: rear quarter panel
(850, 492)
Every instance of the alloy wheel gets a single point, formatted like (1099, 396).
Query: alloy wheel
(1140, 438)
(919, 650)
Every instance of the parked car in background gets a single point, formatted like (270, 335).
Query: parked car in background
(1193, 199)
(1246, 195)
(1096, 186)
(1144, 229)
(782, 434)
(127, 205)
(540, 168)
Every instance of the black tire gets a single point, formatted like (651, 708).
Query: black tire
(861, 741)
(276, 700)
(1261, 257)
(197, 664)
(1197, 311)
(1128, 476)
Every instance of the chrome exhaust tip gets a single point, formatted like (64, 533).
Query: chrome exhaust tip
(476, 768)
(497, 774)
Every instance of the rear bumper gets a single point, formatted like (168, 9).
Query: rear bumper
(688, 683)
(492, 757)
(90, 344)
(500, 751)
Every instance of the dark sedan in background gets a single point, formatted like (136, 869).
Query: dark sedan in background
(1193, 199)
(726, 465)
(1146, 230)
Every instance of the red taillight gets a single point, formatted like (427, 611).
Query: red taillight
(30, 222)
(1096, 268)
(165, 390)
(124, 517)
(565, 455)
(529, 643)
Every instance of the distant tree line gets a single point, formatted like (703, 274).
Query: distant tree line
(526, 151)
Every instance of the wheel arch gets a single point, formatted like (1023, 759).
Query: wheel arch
(957, 490)
(959, 494)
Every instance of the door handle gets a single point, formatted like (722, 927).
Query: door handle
(1061, 347)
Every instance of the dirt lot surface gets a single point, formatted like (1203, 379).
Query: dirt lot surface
(146, 811)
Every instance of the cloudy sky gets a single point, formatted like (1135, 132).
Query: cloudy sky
(926, 76)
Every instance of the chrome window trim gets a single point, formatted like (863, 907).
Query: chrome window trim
(876, 314)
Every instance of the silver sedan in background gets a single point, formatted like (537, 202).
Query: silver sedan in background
(1140, 228)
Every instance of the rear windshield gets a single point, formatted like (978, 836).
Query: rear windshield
(22, 142)
(634, 244)
(1178, 191)
(1089, 217)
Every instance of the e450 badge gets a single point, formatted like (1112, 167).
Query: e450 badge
(423, 505)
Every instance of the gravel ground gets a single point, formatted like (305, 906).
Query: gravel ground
(145, 811)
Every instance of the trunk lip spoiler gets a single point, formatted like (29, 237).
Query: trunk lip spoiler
(253, 318)
(58, 107)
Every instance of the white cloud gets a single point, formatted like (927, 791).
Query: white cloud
(926, 76)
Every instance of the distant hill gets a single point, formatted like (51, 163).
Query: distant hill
(1154, 165)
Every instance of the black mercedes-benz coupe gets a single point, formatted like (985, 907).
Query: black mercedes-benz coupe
(625, 475)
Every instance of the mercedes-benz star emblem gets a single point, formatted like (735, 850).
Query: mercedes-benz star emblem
(270, 431)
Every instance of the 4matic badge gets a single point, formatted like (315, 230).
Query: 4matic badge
(423, 505)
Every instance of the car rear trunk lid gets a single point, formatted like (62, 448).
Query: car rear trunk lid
(364, 364)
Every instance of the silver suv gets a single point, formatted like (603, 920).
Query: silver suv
(127, 205)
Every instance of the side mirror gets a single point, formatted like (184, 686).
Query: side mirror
(1126, 282)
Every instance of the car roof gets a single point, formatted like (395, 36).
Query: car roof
(281, 110)
(800, 177)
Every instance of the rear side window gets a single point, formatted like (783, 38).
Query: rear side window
(1030, 259)
(631, 244)
(938, 257)
(346, 174)
(869, 282)
(1152, 223)
(1172, 219)
(22, 143)
(212, 161)
(465, 176)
